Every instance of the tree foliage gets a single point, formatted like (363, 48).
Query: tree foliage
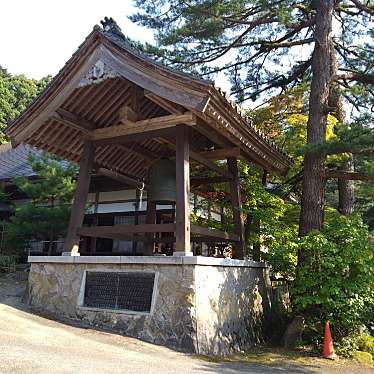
(274, 47)
(16, 92)
(284, 119)
(263, 47)
(45, 216)
(336, 283)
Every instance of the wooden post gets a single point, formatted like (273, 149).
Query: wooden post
(183, 229)
(232, 164)
(71, 247)
(95, 222)
(151, 219)
(136, 221)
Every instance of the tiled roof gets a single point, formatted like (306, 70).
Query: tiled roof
(14, 161)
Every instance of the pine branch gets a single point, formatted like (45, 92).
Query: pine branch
(356, 76)
(281, 81)
(364, 7)
(337, 174)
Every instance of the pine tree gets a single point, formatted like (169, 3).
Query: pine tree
(267, 47)
(45, 216)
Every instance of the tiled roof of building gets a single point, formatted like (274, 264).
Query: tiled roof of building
(14, 162)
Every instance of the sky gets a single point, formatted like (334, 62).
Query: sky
(37, 37)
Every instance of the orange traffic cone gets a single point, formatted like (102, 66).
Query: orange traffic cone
(328, 347)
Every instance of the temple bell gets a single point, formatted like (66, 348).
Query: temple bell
(162, 182)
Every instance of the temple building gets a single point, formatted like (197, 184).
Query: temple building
(110, 202)
(164, 134)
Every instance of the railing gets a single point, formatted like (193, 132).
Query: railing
(8, 263)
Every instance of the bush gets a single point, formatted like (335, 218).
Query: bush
(363, 357)
(336, 282)
(365, 342)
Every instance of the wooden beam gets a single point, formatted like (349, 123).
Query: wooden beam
(106, 231)
(75, 120)
(126, 114)
(232, 164)
(183, 230)
(139, 151)
(210, 165)
(195, 181)
(143, 126)
(213, 233)
(165, 104)
(71, 124)
(71, 245)
(221, 154)
(202, 160)
(167, 132)
(211, 133)
(120, 177)
(86, 127)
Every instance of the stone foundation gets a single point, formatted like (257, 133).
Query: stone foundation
(201, 305)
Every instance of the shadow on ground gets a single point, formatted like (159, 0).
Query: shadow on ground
(30, 343)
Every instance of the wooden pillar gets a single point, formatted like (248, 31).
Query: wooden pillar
(151, 219)
(71, 247)
(183, 229)
(232, 164)
(95, 222)
(136, 220)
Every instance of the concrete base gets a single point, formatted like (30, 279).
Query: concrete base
(200, 305)
(182, 254)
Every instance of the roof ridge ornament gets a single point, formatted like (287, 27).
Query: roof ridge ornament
(110, 25)
(97, 74)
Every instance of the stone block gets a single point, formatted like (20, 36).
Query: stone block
(205, 306)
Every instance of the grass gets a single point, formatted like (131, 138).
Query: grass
(271, 356)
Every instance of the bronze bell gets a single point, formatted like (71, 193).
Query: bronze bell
(162, 182)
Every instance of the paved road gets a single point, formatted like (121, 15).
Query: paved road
(33, 344)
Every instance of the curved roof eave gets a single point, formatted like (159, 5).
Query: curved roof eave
(191, 92)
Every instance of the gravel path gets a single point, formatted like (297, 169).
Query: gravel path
(33, 344)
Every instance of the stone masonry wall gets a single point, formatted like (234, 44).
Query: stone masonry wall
(54, 288)
(231, 303)
(199, 309)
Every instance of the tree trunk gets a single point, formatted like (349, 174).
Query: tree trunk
(346, 189)
(345, 186)
(313, 197)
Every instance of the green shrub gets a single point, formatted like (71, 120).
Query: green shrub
(336, 282)
(365, 342)
(363, 357)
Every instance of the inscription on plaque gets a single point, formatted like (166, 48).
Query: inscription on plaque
(130, 291)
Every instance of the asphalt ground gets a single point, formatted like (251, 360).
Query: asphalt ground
(30, 343)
